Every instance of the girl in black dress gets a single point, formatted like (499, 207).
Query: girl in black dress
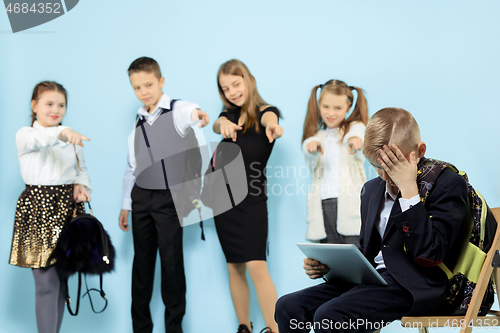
(253, 125)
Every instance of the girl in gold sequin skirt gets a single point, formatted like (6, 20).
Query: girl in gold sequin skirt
(57, 184)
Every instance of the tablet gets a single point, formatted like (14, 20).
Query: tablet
(345, 261)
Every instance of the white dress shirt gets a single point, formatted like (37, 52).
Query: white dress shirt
(46, 160)
(184, 116)
(331, 150)
(385, 211)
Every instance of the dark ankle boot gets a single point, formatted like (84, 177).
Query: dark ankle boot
(244, 328)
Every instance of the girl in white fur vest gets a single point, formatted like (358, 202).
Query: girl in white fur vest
(332, 145)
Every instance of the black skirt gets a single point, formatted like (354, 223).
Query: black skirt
(41, 214)
(242, 232)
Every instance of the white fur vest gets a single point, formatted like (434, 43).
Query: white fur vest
(352, 177)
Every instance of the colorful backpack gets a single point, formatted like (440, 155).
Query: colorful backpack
(465, 260)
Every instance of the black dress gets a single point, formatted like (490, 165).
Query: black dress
(242, 230)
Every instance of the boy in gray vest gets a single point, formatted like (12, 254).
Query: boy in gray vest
(161, 130)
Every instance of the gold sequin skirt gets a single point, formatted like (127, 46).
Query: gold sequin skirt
(41, 214)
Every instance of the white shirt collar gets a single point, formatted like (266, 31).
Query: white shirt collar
(163, 103)
(37, 125)
(388, 193)
(332, 131)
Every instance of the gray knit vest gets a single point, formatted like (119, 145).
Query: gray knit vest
(160, 153)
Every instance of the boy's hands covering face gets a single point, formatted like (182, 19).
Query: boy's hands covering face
(401, 170)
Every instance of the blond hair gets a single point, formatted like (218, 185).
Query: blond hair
(253, 102)
(391, 125)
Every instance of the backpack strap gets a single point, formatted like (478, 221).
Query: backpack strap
(198, 208)
(68, 299)
(101, 292)
(480, 211)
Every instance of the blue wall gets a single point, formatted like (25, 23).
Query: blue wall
(439, 60)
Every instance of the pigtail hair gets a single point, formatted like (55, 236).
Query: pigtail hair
(359, 113)
(34, 97)
(33, 118)
(313, 121)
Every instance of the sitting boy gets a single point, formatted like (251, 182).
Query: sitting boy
(401, 236)
(161, 130)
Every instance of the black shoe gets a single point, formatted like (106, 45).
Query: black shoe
(244, 328)
(266, 330)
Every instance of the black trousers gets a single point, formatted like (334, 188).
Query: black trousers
(343, 307)
(155, 226)
(329, 207)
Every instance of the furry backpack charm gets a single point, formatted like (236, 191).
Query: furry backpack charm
(84, 247)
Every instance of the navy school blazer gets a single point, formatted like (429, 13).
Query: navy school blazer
(417, 240)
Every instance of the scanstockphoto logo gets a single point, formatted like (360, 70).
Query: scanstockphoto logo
(25, 14)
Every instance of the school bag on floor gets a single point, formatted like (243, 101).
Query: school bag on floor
(464, 263)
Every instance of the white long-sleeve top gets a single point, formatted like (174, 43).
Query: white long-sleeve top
(46, 160)
(184, 116)
(331, 173)
(350, 181)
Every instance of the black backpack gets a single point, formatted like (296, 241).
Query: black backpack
(84, 247)
(192, 179)
(192, 175)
